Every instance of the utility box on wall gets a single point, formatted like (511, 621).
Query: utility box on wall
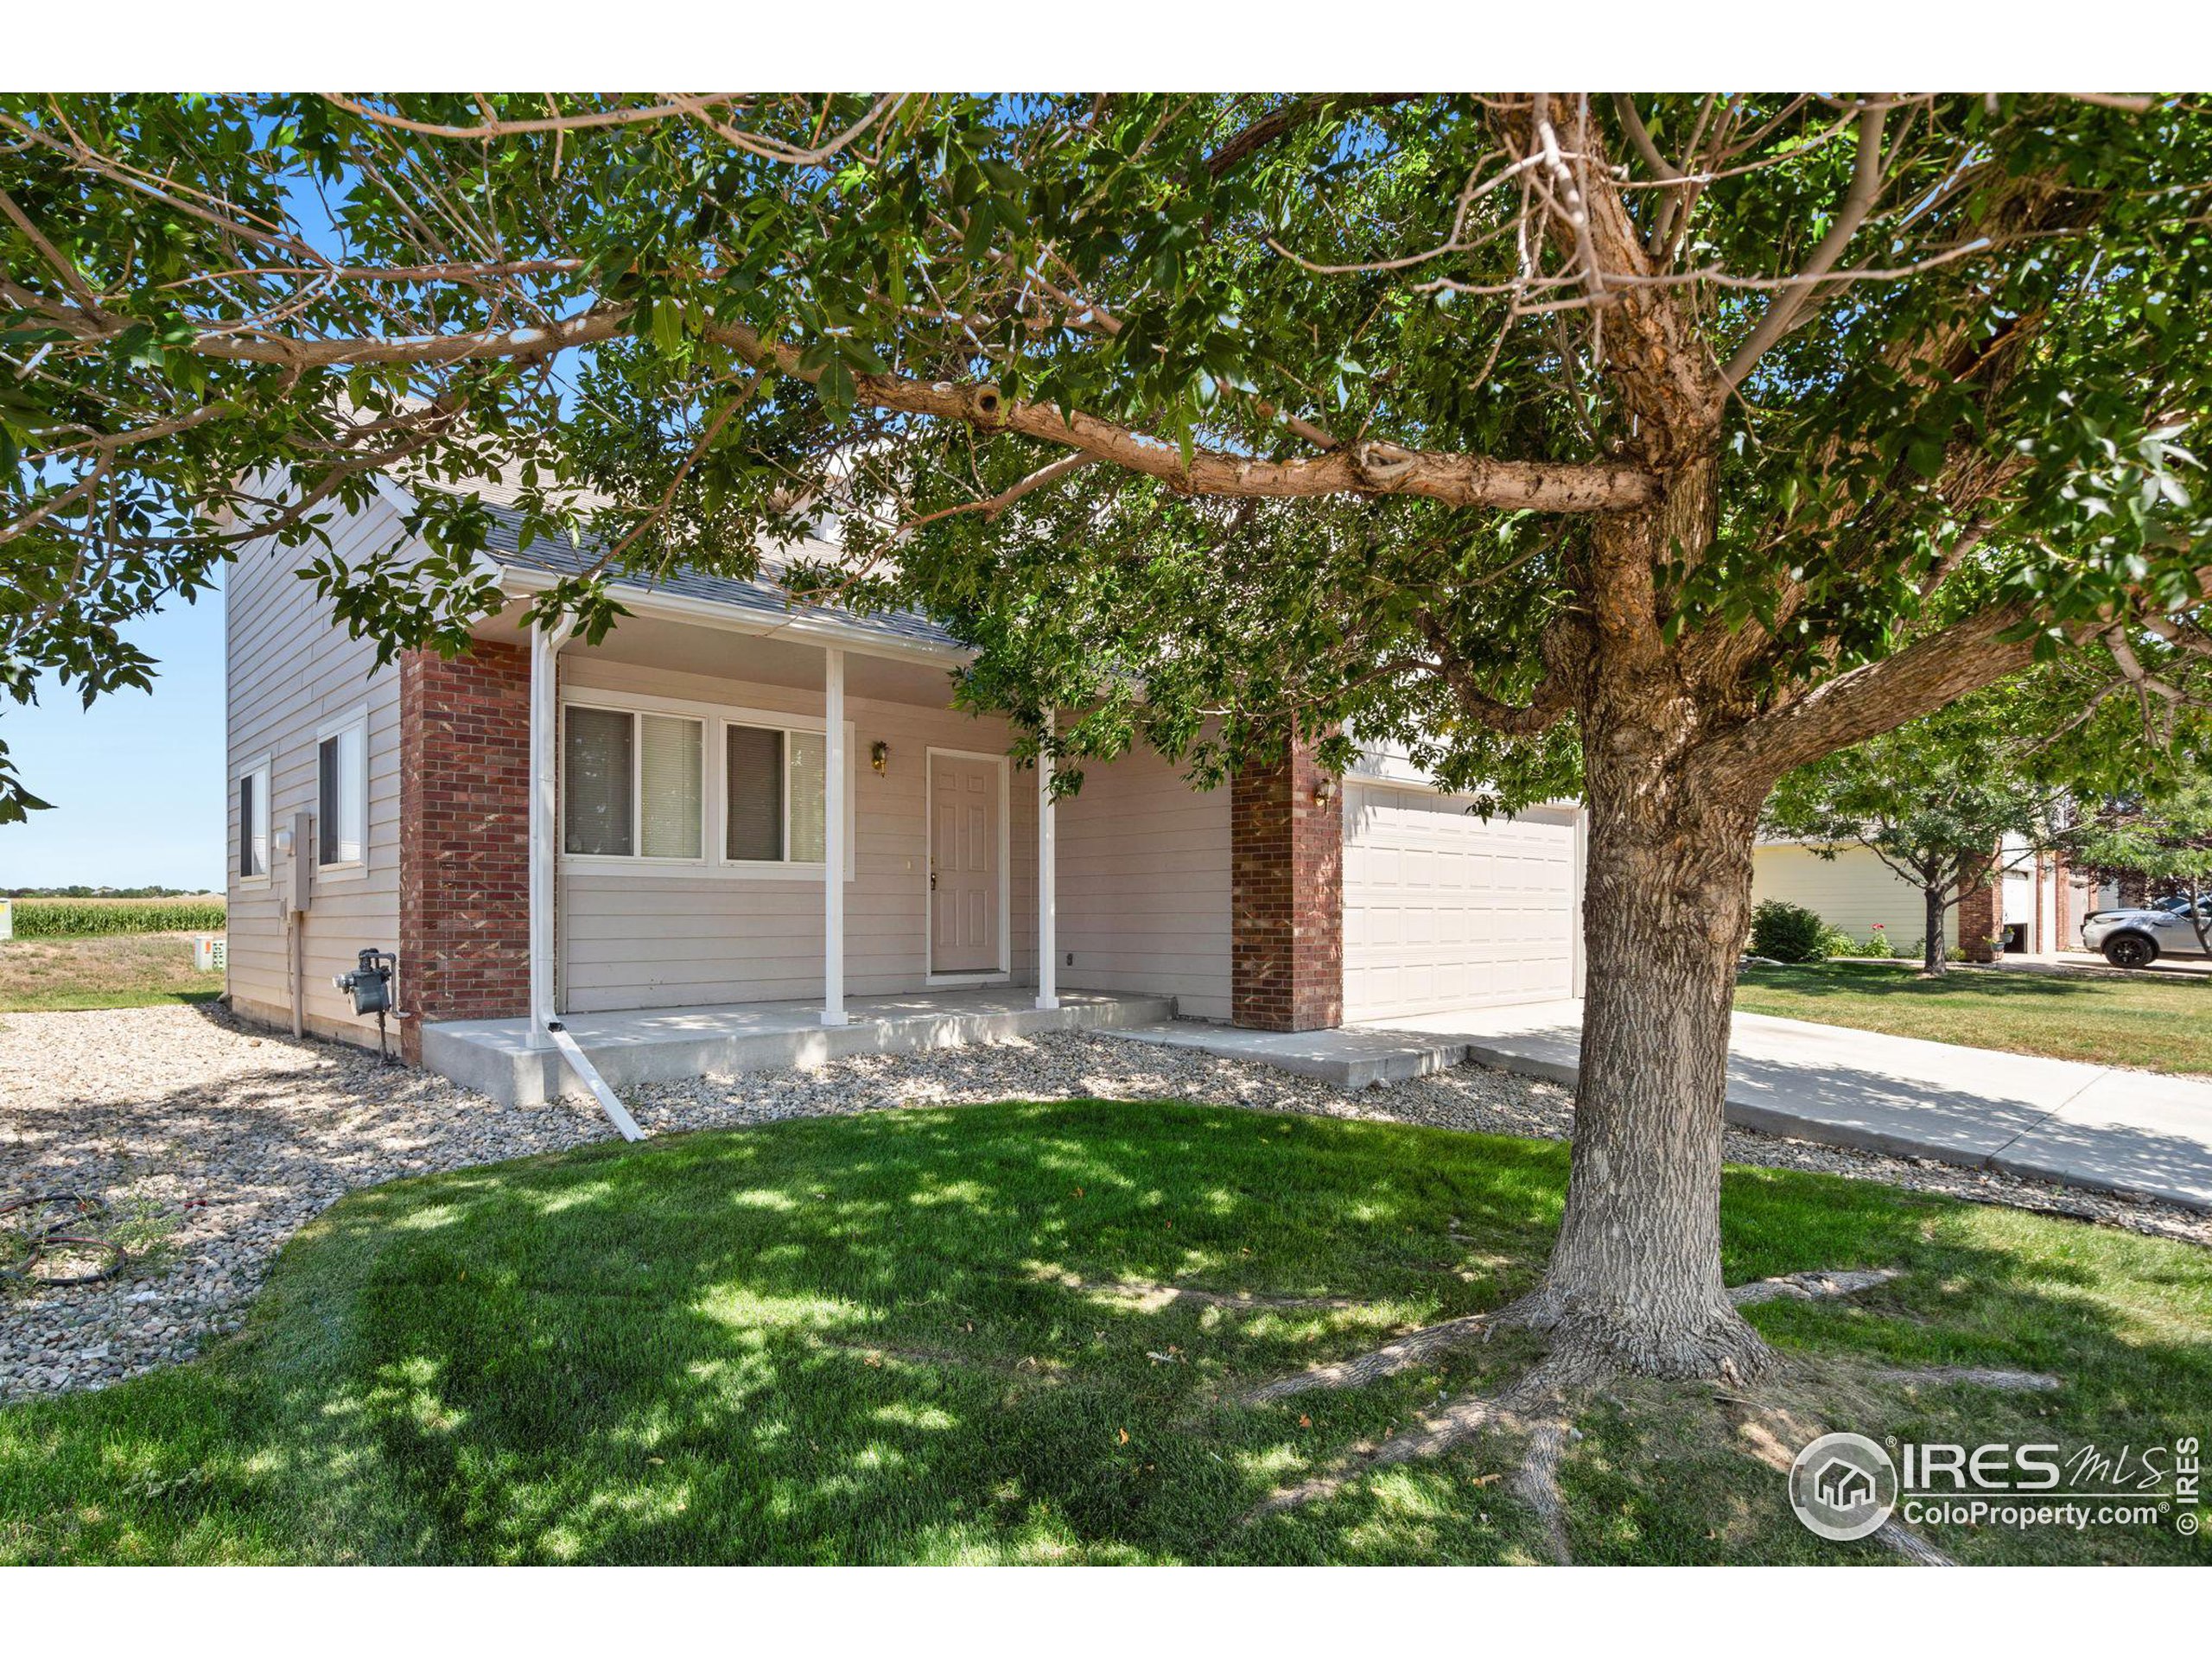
(299, 864)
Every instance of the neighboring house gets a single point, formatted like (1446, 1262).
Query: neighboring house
(2037, 906)
(663, 846)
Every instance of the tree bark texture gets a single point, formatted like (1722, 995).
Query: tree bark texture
(1934, 959)
(1635, 1281)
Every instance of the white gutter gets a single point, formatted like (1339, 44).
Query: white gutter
(545, 645)
(609, 1103)
(1048, 942)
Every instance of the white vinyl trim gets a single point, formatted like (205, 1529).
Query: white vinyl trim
(258, 769)
(714, 797)
(343, 869)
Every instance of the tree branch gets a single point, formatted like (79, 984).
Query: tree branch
(1288, 118)
(1850, 214)
(1368, 468)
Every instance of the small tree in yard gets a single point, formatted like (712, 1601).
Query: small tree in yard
(1651, 447)
(1934, 801)
(2163, 841)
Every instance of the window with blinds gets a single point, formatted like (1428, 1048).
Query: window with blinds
(669, 793)
(633, 784)
(753, 824)
(596, 764)
(776, 782)
(253, 823)
(341, 789)
(810, 776)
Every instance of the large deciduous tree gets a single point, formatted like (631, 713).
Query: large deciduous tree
(1650, 445)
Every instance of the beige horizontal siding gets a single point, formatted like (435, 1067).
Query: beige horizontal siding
(288, 670)
(1852, 891)
(1144, 886)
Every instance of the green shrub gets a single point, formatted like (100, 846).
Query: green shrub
(1788, 932)
(1837, 941)
(62, 919)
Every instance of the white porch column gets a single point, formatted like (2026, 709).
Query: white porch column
(833, 840)
(1048, 982)
(544, 820)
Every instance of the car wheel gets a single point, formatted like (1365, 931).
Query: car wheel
(2131, 951)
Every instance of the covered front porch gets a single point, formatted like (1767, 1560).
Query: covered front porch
(497, 1056)
(734, 834)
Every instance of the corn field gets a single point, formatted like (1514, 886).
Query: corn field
(55, 918)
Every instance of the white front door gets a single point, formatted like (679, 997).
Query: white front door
(964, 868)
(1443, 910)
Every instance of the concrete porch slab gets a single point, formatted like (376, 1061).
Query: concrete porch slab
(494, 1057)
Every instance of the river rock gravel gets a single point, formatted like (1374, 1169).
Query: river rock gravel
(212, 1142)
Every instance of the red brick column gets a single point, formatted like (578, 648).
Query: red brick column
(464, 837)
(1981, 913)
(1287, 856)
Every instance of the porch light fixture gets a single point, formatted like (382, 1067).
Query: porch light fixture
(879, 754)
(1324, 792)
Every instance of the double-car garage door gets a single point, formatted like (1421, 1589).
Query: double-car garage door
(1443, 910)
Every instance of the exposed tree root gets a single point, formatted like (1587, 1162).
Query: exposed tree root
(1978, 1377)
(1540, 1404)
(1148, 1298)
(1769, 1432)
(1536, 1483)
(1400, 1354)
(1810, 1287)
(1515, 1408)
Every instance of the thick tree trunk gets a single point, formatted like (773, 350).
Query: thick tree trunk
(1634, 1279)
(1934, 959)
(1636, 1276)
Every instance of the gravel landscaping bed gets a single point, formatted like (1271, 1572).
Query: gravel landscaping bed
(153, 1109)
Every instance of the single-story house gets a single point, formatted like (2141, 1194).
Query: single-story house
(740, 830)
(2035, 906)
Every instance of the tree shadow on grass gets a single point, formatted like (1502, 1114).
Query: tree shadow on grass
(893, 1338)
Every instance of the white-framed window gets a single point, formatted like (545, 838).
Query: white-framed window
(341, 771)
(252, 794)
(775, 793)
(669, 786)
(634, 783)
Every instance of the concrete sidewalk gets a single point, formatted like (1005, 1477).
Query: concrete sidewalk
(2136, 1132)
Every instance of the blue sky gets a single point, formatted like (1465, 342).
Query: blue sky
(137, 781)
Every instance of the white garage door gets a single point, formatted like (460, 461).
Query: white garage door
(1443, 910)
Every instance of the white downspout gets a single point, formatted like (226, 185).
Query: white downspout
(1048, 982)
(545, 645)
(833, 839)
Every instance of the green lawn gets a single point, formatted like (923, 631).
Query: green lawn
(2159, 1022)
(870, 1339)
(124, 971)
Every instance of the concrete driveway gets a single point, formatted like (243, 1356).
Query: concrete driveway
(2115, 1130)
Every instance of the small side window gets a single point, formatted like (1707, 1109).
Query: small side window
(253, 823)
(341, 819)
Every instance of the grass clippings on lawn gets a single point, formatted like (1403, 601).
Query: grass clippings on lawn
(127, 970)
(2158, 1022)
(941, 1335)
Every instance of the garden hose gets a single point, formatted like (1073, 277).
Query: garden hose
(53, 1249)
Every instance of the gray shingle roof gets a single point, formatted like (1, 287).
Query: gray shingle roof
(762, 597)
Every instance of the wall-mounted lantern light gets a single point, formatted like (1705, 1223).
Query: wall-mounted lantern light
(1324, 792)
(879, 754)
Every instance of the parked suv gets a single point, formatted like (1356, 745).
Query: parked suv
(2136, 938)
